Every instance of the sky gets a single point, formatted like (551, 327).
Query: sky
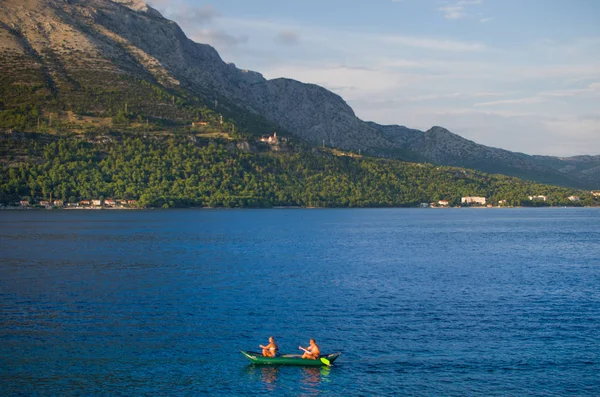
(522, 75)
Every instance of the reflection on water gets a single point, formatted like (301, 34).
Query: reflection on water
(310, 380)
(265, 375)
(269, 376)
(312, 377)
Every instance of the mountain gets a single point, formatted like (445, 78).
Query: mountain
(85, 61)
(440, 146)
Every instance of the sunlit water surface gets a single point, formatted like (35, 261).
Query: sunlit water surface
(419, 302)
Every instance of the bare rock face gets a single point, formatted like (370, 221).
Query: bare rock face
(163, 50)
(313, 113)
(57, 41)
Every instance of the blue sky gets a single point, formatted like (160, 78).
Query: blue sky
(519, 75)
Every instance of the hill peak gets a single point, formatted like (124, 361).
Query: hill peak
(437, 130)
(136, 5)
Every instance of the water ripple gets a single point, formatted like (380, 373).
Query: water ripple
(419, 302)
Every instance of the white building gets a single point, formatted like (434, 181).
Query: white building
(540, 197)
(573, 198)
(473, 200)
(271, 139)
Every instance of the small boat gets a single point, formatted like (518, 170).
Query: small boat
(290, 359)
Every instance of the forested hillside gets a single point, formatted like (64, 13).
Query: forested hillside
(183, 170)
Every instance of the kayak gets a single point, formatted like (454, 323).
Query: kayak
(290, 359)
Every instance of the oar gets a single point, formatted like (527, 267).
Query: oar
(323, 359)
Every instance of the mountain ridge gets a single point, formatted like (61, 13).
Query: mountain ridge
(63, 41)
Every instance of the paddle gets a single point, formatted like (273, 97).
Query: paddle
(323, 359)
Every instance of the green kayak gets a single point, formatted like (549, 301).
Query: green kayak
(290, 359)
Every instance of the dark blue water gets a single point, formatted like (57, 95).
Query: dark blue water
(420, 302)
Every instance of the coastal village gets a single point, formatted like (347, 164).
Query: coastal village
(82, 204)
(476, 201)
(109, 203)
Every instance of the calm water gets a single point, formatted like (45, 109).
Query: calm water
(420, 302)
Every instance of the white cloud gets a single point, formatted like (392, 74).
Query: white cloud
(457, 10)
(201, 23)
(517, 101)
(185, 14)
(453, 12)
(218, 38)
(455, 95)
(590, 91)
(434, 43)
(199, 15)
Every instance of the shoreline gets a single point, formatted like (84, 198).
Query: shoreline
(264, 208)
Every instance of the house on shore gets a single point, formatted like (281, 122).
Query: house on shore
(24, 203)
(443, 203)
(573, 198)
(539, 197)
(473, 200)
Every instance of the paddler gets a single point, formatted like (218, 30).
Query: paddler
(271, 349)
(312, 352)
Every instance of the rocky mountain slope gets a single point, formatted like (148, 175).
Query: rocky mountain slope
(440, 146)
(92, 57)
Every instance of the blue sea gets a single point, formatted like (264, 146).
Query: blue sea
(421, 302)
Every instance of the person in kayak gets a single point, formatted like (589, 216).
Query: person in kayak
(271, 349)
(312, 352)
